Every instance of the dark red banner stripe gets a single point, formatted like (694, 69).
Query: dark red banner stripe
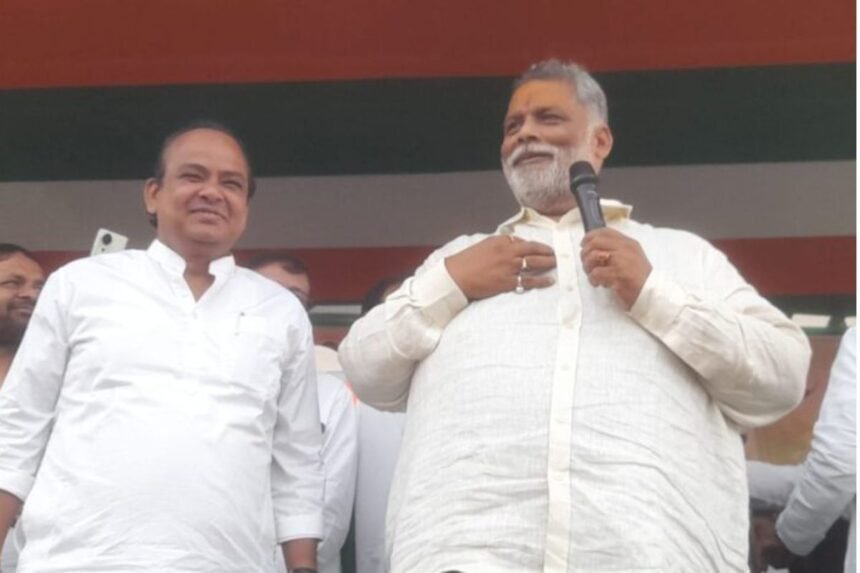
(780, 266)
(144, 42)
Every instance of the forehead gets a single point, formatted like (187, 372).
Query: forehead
(19, 264)
(208, 147)
(542, 94)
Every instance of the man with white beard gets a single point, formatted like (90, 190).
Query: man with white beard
(574, 400)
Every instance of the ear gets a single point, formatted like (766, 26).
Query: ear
(601, 142)
(150, 190)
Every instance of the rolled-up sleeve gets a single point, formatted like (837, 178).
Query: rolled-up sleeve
(29, 394)
(750, 357)
(297, 476)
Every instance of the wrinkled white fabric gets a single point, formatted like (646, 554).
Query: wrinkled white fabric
(827, 486)
(152, 432)
(553, 431)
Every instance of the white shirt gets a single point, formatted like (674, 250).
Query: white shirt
(379, 435)
(552, 431)
(338, 417)
(827, 486)
(186, 435)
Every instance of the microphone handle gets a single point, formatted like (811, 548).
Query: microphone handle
(589, 206)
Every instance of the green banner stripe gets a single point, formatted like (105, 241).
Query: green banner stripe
(732, 115)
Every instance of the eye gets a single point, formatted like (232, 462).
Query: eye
(10, 283)
(552, 118)
(234, 184)
(190, 176)
(511, 126)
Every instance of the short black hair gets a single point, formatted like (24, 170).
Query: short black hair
(160, 167)
(9, 249)
(290, 263)
(374, 295)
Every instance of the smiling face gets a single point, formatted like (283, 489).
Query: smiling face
(21, 280)
(201, 203)
(546, 129)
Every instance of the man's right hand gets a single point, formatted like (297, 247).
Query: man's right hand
(492, 266)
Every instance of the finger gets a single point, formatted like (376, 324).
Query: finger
(528, 248)
(537, 282)
(598, 258)
(538, 263)
(604, 238)
(602, 276)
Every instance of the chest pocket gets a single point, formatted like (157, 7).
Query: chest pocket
(252, 357)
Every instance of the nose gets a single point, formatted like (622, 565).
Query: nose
(527, 131)
(210, 191)
(29, 291)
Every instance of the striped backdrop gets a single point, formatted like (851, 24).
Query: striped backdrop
(375, 125)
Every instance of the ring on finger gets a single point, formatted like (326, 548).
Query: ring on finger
(525, 264)
(519, 289)
(604, 258)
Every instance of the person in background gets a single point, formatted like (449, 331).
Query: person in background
(824, 488)
(160, 414)
(574, 399)
(21, 280)
(379, 436)
(337, 414)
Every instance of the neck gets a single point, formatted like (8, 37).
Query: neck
(197, 275)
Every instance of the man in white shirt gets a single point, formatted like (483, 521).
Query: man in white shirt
(824, 487)
(337, 416)
(21, 280)
(160, 414)
(573, 400)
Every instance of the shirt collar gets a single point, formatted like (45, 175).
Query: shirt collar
(173, 262)
(612, 210)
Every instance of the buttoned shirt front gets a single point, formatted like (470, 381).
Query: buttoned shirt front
(152, 432)
(553, 431)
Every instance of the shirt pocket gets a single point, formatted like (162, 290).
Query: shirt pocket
(253, 355)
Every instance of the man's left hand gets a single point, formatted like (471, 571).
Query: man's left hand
(613, 260)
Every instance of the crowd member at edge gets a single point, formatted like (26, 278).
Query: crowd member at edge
(337, 418)
(21, 280)
(160, 414)
(574, 400)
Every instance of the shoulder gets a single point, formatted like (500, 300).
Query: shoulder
(666, 237)
(261, 290)
(87, 268)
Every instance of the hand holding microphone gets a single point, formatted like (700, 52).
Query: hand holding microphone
(610, 258)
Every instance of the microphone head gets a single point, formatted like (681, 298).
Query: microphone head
(582, 172)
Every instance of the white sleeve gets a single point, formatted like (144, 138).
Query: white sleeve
(340, 462)
(750, 357)
(29, 394)
(297, 474)
(382, 349)
(827, 483)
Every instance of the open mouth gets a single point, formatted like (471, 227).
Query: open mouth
(208, 213)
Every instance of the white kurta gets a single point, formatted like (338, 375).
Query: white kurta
(552, 431)
(827, 482)
(338, 419)
(152, 432)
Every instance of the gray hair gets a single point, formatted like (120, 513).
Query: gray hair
(588, 91)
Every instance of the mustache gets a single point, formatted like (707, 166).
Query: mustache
(528, 148)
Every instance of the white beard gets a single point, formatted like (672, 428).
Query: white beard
(544, 188)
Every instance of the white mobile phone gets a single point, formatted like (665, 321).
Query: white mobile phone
(108, 242)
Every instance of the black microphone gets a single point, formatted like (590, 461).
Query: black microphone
(583, 185)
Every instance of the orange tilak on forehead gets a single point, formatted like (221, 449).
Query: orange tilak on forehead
(541, 94)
